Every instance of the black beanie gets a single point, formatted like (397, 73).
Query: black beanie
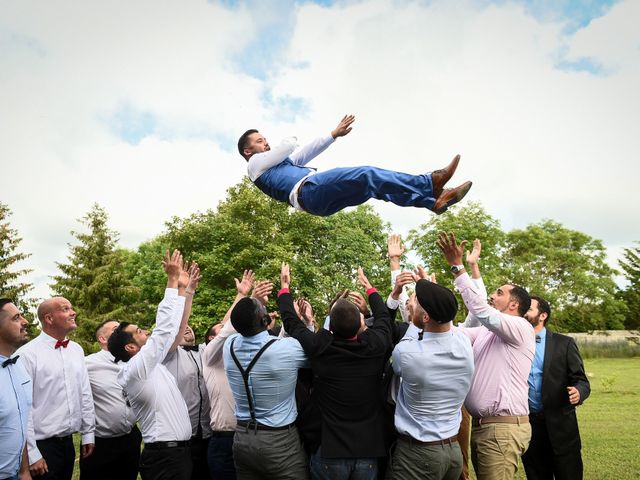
(439, 302)
(246, 317)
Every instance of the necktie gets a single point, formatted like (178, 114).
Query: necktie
(62, 343)
(10, 361)
(538, 339)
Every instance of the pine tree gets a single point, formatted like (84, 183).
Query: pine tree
(95, 280)
(630, 264)
(11, 284)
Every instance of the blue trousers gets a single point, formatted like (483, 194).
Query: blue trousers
(220, 456)
(343, 468)
(326, 193)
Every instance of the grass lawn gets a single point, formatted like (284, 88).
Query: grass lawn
(609, 421)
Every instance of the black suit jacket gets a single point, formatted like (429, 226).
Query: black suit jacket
(345, 415)
(562, 368)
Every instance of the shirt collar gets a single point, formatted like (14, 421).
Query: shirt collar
(542, 333)
(49, 340)
(257, 337)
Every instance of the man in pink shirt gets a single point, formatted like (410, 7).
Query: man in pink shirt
(503, 348)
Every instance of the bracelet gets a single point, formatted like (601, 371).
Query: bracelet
(190, 292)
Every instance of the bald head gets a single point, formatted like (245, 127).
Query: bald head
(57, 317)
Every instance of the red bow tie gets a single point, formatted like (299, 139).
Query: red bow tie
(62, 343)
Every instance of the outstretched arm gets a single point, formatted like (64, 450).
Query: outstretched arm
(187, 285)
(261, 162)
(315, 148)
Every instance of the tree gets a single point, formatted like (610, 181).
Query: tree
(630, 264)
(569, 269)
(11, 284)
(95, 280)
(251, 231)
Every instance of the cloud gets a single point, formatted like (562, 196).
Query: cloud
(138, 106)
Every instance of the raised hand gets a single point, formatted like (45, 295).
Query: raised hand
(285, 276)
(172, 265)
(194, 278)
(359, 301)
(344, 127)
(474, 255)
(262, 290)
(362, 278)
(405, 278)
(343, 294)
(244, 286)
(305, 311)
(451, 249)
(395, 248)
(420, 273)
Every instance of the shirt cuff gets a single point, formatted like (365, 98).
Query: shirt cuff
(88, 438)
(392, 303)
(170, 292)
(283, 290)
(34, 455)
(372, 290)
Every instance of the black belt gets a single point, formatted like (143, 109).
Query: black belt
(411, 440)
(259, 426)
(222, 434)
(66, 438)
(172, 444)
(299, 195)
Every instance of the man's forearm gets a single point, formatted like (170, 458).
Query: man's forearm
(261, 162)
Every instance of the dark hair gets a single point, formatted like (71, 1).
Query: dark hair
(210, 331)
(243, 140)
(102, 324)
(3, 302)
(249, 317)
(344, 319)
(521, 296)
(118, 340)
(543, 307)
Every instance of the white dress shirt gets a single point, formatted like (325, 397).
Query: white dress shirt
(62, 400)
(150, 388)
(186, 368)
(114, 418)
(436, 376)
(261, 162)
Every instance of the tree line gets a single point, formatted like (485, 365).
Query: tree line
(248, 230)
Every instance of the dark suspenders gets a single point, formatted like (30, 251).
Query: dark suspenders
(245, 374)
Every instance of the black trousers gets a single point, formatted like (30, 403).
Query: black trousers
(60, 456)
(199, 447)
(117, 457)
(541, 463)
(167, 463)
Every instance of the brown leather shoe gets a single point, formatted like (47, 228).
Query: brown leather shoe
(442, 176)
(450, 196)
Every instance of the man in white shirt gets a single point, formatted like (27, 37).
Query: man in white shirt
(149, 387)
(435, 362)
(185, 364)
(117, 452)
(62, 400)
(282, 174)
(15, 394)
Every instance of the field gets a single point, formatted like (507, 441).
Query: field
(609, 422)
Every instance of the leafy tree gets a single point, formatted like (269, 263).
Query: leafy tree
(569, 269)
(95, 280)
(11, 284)
(630, 265)
(251, 231)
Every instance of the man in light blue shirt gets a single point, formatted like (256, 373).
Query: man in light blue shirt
(435, 362)
(15, 394)
(262, 373)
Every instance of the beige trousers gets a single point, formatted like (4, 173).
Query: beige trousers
(496, 448)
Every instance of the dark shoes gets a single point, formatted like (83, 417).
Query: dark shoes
(440, 177)
(450, 196)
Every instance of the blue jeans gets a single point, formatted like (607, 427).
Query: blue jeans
(326, 193)
(343, 468)
(220, 456)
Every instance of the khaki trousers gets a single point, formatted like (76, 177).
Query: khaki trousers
(496, 448)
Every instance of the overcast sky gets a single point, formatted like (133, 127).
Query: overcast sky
(137, 105)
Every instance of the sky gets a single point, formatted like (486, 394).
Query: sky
(138, 106)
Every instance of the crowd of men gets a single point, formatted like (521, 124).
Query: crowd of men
(365, 396)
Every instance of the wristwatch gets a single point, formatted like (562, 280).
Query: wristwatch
(455, 269)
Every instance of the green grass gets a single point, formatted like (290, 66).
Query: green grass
(608, 421)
